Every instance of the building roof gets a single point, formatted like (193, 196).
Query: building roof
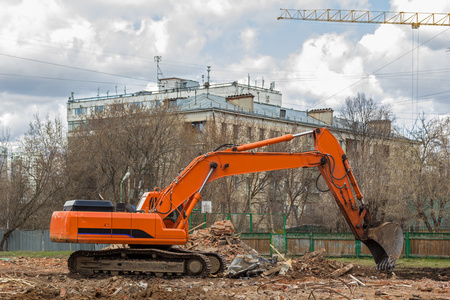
(205, 101)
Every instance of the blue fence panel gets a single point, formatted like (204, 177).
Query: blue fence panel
(39, 240)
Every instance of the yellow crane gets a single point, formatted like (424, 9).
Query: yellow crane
(363, 16)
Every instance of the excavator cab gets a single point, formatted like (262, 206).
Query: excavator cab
(385, 242)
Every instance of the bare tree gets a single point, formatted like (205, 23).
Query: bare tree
(4, 145)
(220, 133)
(35, 180)
(430, 165)
(147, 142)
(368, 147)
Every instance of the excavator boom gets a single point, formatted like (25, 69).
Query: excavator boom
(162, 215)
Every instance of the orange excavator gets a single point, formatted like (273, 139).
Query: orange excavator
(160, 219)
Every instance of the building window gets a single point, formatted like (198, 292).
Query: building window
(274, 133)
(80, 111)
(136, 105)
(235, 132)
(262, 134)
(172, 103)
(197, 126)
(73, 125)
(351, 145)
(282, 113)
(117, 107)
(224, 129)
(250, 133)
(70, 126)
(98, 109)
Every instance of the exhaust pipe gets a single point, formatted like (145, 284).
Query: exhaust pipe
(385, 242)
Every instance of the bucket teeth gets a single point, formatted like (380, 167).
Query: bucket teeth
(385, 265)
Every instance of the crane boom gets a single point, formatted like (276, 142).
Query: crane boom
(414, 19)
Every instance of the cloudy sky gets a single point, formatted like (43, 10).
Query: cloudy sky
(51, 48)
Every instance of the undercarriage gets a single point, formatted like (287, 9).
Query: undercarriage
(152, 262)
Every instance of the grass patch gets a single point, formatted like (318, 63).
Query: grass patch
(38, 254)
(402, 262)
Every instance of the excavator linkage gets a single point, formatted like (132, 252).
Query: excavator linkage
(385, 242)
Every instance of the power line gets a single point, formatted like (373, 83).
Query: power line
(63, 79)
(72, 67)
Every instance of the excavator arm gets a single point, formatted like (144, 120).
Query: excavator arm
(184, 192)
(384, 240)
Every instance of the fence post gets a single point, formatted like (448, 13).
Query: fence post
(204, 220)
(407, 245)
(271, 242)
(228, 216)
(358, 248)
(251, 222)
(285, 243)
(311, 242)
(42, 239)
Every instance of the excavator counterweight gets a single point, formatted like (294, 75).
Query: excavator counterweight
(160, 219)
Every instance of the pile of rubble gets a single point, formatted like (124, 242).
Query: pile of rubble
(220, 238)
(245, 261)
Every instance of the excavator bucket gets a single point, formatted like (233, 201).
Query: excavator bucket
(385, 242)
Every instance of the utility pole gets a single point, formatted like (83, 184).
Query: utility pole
(159, 73)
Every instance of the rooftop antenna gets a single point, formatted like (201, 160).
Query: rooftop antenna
(208, 69)
(159, 73)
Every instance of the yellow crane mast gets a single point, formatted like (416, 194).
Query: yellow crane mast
(414, 19)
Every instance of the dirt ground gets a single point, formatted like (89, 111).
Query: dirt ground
(49, 278)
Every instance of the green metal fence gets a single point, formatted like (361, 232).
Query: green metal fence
(255, 230)
(344, 244)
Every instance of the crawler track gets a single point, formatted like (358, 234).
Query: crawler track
(218, 263)
(152, 262)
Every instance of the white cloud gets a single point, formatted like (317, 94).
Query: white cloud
(161, 35)
(325, 67)
(248, 38)
(386, 40)
(431, 6)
